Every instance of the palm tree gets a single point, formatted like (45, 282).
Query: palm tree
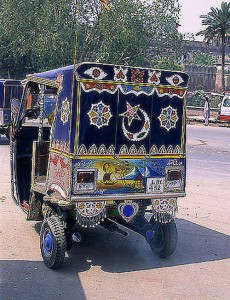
(218, 26)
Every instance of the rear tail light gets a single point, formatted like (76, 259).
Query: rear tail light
(85, 180)
(174, 174)
(85, 177)
(174, 179)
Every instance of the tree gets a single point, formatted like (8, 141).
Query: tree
(201, 59)
(218, 26)
(35, 35)
(38, 35)
(132, 32)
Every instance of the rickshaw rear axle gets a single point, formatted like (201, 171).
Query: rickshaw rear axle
(111, 226)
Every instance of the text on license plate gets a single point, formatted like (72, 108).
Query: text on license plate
(155, 185)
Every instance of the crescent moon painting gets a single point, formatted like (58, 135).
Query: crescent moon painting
(132, 114)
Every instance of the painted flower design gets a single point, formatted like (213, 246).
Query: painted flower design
(168, 118)
(65, 111)
(154, 77)
(175, 80)
(120, 74)
(96, 73)
(59, 80)
(99, 114)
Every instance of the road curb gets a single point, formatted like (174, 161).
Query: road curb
(212, 121)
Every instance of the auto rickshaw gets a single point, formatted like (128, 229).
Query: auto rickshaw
(10, 96)
(98, 144)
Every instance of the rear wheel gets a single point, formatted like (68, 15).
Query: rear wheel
(53, 242)
(165, 238)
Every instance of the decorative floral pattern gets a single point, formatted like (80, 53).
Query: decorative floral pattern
(175, 80)
(99, 114)
(59, 80)
(65, 111)
(90, 209)
(132, 150)
(164, 209)
(168, 118)
(164, 150)
(102, 150)
(170, 91)
(137, 90)
(90, 214)
(154, 77)
(120, 74)
(96, 73)
(99, 87)
(59, 172)
(60, 145)
(137, 75)
(133, 89)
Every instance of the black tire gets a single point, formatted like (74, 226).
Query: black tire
(53, 242)
(164, 242)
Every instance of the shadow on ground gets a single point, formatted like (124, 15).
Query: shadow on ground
(23, 280)
(115, 253)
(4, 140)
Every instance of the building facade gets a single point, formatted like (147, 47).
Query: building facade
(203, 77)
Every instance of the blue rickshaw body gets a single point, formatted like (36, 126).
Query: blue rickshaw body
(103, 143)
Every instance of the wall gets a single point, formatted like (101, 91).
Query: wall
(201, 77)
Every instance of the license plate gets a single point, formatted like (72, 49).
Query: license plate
(155, 185)
(173, 184)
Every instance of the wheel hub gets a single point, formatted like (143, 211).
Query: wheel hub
(48, 243)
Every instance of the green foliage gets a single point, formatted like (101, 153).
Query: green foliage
(168, 64)
(40, 34)
(202, 59)
(197, 98)
(218, 26)
(35, 35)
(217, 22)
(132, 32)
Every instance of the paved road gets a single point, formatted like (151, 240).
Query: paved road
(109, 266)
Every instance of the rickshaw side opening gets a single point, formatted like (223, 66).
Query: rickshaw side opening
(10, 97)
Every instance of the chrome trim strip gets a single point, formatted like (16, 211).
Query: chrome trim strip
(83, 198)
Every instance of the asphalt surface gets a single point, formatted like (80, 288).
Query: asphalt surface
(109, 266)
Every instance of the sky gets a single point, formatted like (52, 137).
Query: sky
(191, 10)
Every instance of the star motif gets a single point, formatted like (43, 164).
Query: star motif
(131, 113)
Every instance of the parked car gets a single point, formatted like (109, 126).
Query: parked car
(224, 109)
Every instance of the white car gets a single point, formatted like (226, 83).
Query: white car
(225, 109)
